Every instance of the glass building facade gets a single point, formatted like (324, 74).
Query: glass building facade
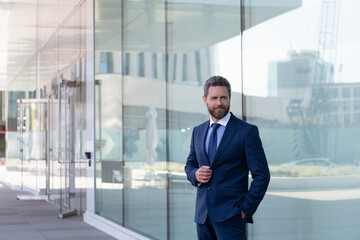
(290, 66)
(293, 67)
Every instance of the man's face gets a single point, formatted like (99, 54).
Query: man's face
(217, 102)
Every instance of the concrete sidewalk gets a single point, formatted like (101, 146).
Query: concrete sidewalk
(38, 220)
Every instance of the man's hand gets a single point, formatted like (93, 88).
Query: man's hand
(243, 215)
(203, 174)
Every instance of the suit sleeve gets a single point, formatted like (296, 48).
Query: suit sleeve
(259, 169)
(192, 164)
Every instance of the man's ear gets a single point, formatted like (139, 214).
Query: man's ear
(204, 98)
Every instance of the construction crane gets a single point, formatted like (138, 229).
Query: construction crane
(308, 124)
(326, 61)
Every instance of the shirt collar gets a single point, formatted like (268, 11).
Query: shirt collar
(224, 121)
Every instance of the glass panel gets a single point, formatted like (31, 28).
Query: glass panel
(109, 169)
(203, 40)
(144, 106)
(13, 163)
(81, 162)
(32, 137)
(65, 51)
(66, 143)
(22, 87)
(54, 165)
(298, 75)
(356, 92)
(38, 79)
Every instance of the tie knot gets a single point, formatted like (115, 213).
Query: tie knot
(215, 126)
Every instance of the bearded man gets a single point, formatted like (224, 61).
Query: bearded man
(222, 152)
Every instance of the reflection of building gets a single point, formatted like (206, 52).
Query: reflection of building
(293, 78)
(344, 99)
(345, 104)
(187, 68)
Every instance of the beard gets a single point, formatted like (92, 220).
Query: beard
(219, 112)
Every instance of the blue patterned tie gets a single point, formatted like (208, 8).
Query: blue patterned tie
(213, 142)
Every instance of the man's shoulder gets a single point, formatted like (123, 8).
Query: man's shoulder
(203, 125)
(241, 123)
(233, 119)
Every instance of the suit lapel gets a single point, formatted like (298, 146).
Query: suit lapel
(202, 136)
(228, 134)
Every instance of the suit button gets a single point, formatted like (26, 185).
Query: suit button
(208, 189)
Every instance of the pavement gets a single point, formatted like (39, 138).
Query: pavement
(38, 220)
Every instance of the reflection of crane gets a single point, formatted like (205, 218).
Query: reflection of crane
(309, 138)
(326, 61)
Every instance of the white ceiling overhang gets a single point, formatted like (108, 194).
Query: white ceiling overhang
(188, 23)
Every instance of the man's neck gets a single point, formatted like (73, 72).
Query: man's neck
(223, 120)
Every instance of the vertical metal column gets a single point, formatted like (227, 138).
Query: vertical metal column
(99, 195)
(59, 152)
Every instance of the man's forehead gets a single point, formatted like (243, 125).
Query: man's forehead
(218, 90)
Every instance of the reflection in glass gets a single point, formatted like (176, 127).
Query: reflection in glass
(144, 105)
(307, 123)
(203, 40)
(109, 171)
(300, 87)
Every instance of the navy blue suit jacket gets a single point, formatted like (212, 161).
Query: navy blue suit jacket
(227, 192)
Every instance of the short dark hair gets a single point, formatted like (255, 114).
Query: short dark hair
(216, 81)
